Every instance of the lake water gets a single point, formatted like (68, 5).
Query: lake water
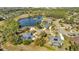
(30, 21)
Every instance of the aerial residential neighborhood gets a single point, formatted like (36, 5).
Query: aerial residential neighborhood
(39, 29)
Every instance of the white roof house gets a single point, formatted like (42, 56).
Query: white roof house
(57, 40)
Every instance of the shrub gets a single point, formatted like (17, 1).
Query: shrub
(40, 41)
(27, 42)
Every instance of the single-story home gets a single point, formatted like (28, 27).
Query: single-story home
(56, 40)
(27, 36)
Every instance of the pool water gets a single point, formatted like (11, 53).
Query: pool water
(29, 21)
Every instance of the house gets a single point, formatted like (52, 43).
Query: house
(26, 36)
(2, 18)
(57, 40)
(46, 23)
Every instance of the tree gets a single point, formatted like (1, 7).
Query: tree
(9, 30)
(73, 47)
(40, 41)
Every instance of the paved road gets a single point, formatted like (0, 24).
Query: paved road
(59, 28)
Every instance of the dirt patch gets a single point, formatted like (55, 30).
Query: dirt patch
(76, 39)
(31, 47)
